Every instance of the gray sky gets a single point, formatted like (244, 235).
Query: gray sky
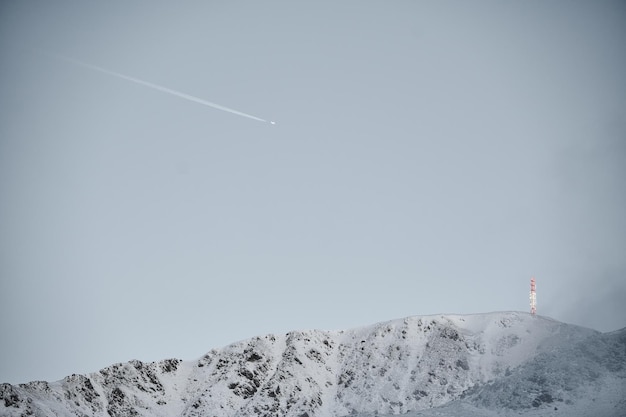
(427, 157)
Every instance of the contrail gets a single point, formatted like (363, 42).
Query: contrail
(162, 89)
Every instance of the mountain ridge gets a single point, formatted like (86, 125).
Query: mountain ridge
(420, 364)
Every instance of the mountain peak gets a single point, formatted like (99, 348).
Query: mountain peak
(471, 363)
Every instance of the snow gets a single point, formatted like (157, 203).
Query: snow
(504, 363)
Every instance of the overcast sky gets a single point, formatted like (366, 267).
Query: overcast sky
(427, 157)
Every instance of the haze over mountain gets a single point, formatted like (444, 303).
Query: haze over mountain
(505, 363)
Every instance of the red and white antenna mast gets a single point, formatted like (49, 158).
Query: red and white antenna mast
(533, 297)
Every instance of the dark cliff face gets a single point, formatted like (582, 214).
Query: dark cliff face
(492, 362)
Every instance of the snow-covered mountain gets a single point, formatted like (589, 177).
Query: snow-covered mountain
(446, 365)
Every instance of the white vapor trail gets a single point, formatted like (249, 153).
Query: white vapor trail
(162, 89)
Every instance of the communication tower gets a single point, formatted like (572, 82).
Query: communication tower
(533, 297)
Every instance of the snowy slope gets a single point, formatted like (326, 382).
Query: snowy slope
(576, 379)
(484, 364)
